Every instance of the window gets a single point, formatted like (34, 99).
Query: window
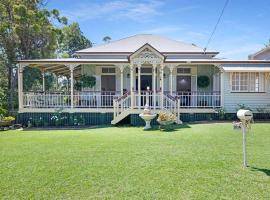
(145, 70)
(183, 70)
(108, 70)
(247, 82)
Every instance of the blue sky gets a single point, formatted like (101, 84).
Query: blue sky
(244, 28)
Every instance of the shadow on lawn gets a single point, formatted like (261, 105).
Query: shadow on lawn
(66, 128)
(171, 128)
(266, 171)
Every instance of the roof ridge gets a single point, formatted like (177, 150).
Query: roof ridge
(104, 44)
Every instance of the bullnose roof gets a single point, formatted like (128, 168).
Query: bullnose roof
(133, 43)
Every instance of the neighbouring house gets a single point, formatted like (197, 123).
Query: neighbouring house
(180, 77)
(263, 54)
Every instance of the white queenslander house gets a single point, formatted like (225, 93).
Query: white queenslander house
(180, 78)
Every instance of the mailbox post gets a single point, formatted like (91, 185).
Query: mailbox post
(245, 117)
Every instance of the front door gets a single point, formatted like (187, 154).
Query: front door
(108, 86)
(146, 81)
(183, 87)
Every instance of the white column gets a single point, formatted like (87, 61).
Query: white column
(131, 86)
(139, 85)
(43, 80)
(71, 87)
(20, 85)
(161, 85)
(171, 80)
(222, 89)
(122, 79)
(154, 85)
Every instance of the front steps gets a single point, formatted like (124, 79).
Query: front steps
(128, 112)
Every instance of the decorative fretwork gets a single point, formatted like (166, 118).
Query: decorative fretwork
(147, 57)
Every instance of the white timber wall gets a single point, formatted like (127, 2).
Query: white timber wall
(252, 100)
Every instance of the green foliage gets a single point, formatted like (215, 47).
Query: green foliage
(85, 81)
(221, 112)
(29, 31)
(88, 81)
(107, 39)
(242, 106)
(8, 119)
(203, 81)
(72, 39)
(265, 109)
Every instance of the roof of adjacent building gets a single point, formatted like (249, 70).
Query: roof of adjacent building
(131, 44)
(262, 51)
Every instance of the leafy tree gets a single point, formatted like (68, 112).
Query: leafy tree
(107, 39)
(29, 31)
(26, 32)
(71, 39)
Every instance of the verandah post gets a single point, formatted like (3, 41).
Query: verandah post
(43, 80)
(154, 85)
(222, 89)
(161, 85)
(71, 88)
(131, 87)
(171, 80)
(139, 85)
(71, 68)
(20, 85)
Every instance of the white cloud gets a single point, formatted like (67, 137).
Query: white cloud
(117, 9)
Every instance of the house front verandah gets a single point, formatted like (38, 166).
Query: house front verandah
(145, 67)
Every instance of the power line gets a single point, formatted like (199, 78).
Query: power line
(214, 30)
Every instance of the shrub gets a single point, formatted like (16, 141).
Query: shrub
(166, 116)
(203, 81)
(8, 119)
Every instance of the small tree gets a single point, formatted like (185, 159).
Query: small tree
(107, 39)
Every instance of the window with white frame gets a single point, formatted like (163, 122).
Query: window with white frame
(108, 70)
(183, 70)
(247, 82)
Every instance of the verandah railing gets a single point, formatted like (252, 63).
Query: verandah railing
(199, 99)
(104, 99)
(91, 99)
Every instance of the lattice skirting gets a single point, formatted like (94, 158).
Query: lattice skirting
(88, 119)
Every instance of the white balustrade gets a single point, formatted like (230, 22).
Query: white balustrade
(199, 99)
(80, 100)
(106, 100)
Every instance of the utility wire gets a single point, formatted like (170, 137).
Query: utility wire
(215, 28)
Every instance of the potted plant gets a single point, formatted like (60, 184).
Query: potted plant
(166, 119)
(7, 121)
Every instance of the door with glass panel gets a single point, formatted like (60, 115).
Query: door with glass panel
(183, 87)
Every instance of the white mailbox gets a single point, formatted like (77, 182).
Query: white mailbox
(245, 115)
(246, 118)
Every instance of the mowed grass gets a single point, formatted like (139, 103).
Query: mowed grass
(200, 161)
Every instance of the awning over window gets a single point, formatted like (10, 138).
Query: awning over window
(246, 69)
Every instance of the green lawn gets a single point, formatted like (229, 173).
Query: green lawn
(200, 161)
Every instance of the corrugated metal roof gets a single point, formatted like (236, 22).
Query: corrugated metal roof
(133, 43)
(75, 60)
